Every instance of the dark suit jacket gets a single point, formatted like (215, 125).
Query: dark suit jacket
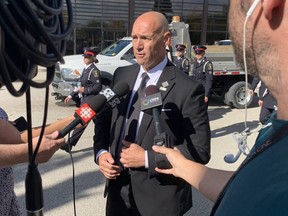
(185, 121)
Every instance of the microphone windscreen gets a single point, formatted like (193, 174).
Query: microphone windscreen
(152, 99)
(151, 89)
(121, 89)
(97, 102)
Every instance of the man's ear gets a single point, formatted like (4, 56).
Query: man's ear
(167, 39)
(270, 5)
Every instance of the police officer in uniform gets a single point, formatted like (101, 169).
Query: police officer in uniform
(89, 85)
(266, 101)
(203, 70)
(180, 60)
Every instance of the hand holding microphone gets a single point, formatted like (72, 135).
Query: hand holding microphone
(153, 101)
(83, 115)
(88, 111)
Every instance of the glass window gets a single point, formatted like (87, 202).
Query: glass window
(110, 20)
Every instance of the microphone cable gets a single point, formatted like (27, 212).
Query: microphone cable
(250, 11)
(73, 176)
(32, 33)
(35, 33)
(242, 137)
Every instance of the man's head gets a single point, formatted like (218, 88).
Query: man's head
(266, 30)
(89, 56)
(150, 35)
(180, 50)
(199, 51)
(262, 30)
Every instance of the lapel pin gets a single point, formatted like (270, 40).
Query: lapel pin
(165, 84)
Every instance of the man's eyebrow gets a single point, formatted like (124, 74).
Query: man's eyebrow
(142, 36)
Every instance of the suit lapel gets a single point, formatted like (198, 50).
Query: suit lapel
(166, 80)
(119, 117)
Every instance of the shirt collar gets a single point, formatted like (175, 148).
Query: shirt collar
(88, 65)
(154, 73)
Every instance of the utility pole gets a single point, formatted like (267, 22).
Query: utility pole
(74, 33)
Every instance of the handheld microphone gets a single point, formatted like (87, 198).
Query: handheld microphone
(34, 192)
(113, 96)
(88, 111)
(85, 113)
(153, 101)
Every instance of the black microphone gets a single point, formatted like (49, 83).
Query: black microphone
(88, 111)
(85, 113)
(33, 181)
(113, 96)
(34, 192)
(153, 101)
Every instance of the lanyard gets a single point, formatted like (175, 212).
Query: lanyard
(269, 141)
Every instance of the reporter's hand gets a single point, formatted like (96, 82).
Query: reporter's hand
(175, 158)
(107, 166)
(49, 145)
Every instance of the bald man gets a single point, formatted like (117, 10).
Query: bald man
(123, 143)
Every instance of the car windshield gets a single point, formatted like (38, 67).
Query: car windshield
(115, 48)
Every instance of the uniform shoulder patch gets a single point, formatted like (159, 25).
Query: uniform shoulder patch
(209, 66)
(186, 62)
(96, 73)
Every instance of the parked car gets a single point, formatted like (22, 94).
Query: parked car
(223, 42)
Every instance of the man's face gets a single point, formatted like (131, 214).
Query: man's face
(148, 43)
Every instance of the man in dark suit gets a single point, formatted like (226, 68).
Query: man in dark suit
(133, 186)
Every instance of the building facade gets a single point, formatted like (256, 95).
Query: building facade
(99, 23)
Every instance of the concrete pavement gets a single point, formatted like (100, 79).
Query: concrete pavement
(57, 174)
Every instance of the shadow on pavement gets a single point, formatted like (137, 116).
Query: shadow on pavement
(61, 193)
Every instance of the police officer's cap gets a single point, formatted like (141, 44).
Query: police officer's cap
(180, 47)
(89, 53)
(199, 48)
